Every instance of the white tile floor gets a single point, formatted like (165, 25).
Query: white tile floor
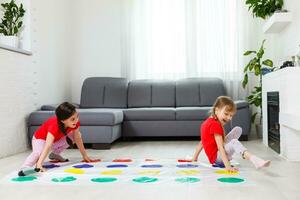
(280, 181)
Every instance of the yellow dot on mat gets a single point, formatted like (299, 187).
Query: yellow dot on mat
(112, 172)
(188, 172)
(74, 171)
(226, 172)
(149, 172)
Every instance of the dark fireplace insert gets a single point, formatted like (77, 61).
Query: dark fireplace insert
(273, 121)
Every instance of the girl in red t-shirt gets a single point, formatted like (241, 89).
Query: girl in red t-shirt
(56, 134)
(218, 147)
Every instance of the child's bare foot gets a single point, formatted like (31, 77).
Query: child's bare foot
(265, 164)
(259, 163)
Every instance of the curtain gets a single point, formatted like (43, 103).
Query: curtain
(172, 39)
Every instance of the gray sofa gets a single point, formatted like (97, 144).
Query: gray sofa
(111, 108)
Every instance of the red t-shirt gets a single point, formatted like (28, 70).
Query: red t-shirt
(210, 127)
(51, 126)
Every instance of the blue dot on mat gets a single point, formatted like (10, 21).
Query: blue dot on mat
(83, 166)
(116, 166)
(186, 166)
(50, 166)
(151, 166)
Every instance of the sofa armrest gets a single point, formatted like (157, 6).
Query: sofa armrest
(54, 106)
(241, 104)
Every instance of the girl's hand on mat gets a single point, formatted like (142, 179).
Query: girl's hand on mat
(232, 169)
(40, 166)
(86, 159)
(41, 169)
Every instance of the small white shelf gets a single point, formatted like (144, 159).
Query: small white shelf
(277, 22)
(18, 50)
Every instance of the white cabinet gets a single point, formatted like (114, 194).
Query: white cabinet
(286, 82)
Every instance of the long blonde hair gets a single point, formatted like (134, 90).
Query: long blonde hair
(221, 102)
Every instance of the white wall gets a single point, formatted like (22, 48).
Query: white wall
(96, 40)
(26, 82)
(281, 46)
(71, 40)
(287, 42)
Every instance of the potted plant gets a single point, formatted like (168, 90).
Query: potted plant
(256, 65)
(11, 23)
(264, 8)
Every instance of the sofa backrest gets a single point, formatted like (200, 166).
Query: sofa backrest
(151, 93)
(198, 91)
(104, 92)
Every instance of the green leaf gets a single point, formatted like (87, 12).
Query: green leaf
(256, 102)
(245, 81)
(250, 96)
(249, 52)
(260, 52)
(16, 30)
(12, 18)
(257, 88)
(20, 24)
(251, 66)
(253, 117)
(268, 62)
(257, 69)
(246, 68)
(252, 63)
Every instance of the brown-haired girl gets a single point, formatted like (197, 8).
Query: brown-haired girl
(218, 147)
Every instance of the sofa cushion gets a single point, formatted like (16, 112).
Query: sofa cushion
(195, 92)
(151, 93)
(87, 117)
(144, 114)
(103, 117)
(104, 92)
(241, 104)
(37, 118)
(192, 113)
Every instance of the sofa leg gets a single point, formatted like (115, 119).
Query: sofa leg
(101, 146)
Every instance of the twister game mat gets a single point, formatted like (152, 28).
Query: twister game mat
(131, 171)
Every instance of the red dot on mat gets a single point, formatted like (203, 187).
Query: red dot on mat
(184, 160)
(57, 161)
(149, 160)
(122, 160)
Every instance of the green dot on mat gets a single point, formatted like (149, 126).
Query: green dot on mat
(24, 178)
(187, 180)
(145, 180)
(231, 180)
(64, 179)
(103, 180)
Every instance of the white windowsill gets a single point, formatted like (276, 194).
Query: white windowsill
(18, 50)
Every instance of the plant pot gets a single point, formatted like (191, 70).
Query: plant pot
(258, 128)
(11, 41)
(265, 70)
